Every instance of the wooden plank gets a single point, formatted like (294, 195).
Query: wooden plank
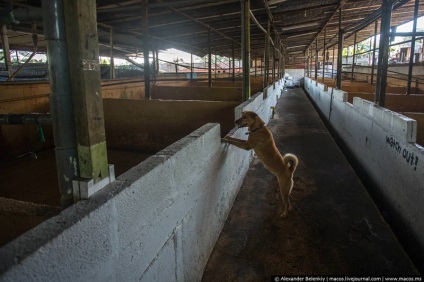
(81, 29)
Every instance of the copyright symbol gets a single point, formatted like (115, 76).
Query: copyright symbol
(276, 279)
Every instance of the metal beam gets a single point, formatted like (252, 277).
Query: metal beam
(197, 21)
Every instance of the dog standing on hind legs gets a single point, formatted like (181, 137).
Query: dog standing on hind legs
(261, 141)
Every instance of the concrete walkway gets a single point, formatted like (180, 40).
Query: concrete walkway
(335, 227)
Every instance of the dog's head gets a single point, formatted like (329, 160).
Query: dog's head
(248, 119)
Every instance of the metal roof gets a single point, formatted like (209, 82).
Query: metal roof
(185, 24)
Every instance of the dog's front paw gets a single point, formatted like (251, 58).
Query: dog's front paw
(284, 215)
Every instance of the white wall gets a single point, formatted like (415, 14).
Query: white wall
(384, 143)
(158, 221)
(297, 74)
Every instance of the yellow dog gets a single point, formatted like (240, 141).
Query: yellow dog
(261, 141)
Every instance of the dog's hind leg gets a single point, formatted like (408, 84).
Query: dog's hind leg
(285, 189)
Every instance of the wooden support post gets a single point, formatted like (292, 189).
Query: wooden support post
(155, 58)
(383, 54)
(191, 66)
(267, 55)
(256, 64)
(340, 52)
(234, 61)
(283, 67)
(146, 47)
(215, 61)
(6, 50)
(324, 54)
(279, 67)
(332, 62)
(112, 61)
(209, 59)
(353, 58)
(245, 36)
(411, 57)
(81, 30)
(373, 51)
(305, 63)
(316, 59)
(310, 61)
(273, 64)
(157, 62)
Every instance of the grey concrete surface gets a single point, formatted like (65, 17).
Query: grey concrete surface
(335, 227)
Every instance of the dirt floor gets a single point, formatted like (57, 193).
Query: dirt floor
(335, 227)
(29, 192)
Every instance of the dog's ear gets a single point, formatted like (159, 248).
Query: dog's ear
(252, 115)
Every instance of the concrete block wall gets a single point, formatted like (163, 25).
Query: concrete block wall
(419, 117)
(256, 102)
(395, 102)
(383, 142)
(156, 222)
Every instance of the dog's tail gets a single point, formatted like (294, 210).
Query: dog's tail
(291, 161)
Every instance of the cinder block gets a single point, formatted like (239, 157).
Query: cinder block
(321, 87)
(399, 125)
(339, 94)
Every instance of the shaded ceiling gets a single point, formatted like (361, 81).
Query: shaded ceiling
(185, 24)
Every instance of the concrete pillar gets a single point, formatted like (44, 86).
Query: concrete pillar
(245, 46)
(81, 30)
